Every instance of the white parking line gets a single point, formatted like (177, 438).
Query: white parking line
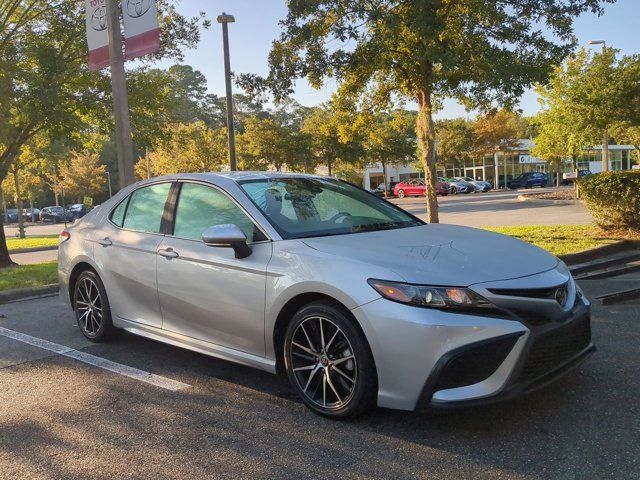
(103, 363)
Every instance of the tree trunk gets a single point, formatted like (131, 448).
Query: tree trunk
(425, 129)
(605, 152)
(384, 178)
(3, 204)
(329, 164)
(19, 206)
(5, 258)
(55, 188)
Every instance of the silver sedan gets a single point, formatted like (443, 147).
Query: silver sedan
(356, 301)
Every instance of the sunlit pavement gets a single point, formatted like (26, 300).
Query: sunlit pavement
(62, 418)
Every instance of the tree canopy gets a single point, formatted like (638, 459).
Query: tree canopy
(476, 51)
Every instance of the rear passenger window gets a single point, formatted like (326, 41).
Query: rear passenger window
(117, 216)
(146, 207)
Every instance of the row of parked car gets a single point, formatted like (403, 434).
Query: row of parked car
(416, 187)
(48, 214)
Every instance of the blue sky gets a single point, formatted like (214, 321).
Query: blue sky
(257, 26)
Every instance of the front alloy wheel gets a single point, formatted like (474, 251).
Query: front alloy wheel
(329, 363)
(400, 193)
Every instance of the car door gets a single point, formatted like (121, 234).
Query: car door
(205, 292)
(126, 253)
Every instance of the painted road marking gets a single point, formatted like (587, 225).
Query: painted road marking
(141, 375)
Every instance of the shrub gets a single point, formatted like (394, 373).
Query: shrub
(613, 198)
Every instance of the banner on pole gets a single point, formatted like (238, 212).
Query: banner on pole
(97, 35)
(141, 28)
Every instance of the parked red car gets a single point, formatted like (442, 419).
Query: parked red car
(416, 188)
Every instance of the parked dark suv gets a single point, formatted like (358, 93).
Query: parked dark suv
(528, 180)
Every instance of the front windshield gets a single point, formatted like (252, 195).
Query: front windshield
(300, 207)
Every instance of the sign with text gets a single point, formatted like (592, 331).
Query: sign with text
(141, 28)
(88, 201)
(526, 158)
(97, 35)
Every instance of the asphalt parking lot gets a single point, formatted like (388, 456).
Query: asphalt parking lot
(500, 208)
(61, 417)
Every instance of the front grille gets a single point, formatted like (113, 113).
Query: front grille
(475, 363)
(548, 293)
(555, 347)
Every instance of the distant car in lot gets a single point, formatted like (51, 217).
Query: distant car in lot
(417, 188)
(12, 215)
(478, 185)
(78, 210)
(55, 215)
(528, 180)
(458, 186)
(356, 300)
(31, 215)
(569, 178)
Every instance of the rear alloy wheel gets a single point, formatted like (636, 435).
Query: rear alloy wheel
(92, 307)
(454, 191)
(329, 363)
(400, 193)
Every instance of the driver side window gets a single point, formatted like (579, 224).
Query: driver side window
(200, 207)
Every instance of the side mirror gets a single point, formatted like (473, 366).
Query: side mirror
(227, 236)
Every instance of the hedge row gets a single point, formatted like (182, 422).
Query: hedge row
(613, 198)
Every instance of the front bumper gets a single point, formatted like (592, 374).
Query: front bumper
(411, 347)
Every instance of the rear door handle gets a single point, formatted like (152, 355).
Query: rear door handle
(168, 253)
(105, 242)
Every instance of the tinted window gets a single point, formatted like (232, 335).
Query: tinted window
(146, 207)
(201, 207)
(117, 216)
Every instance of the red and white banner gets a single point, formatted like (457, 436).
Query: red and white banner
(97, 35)
(141, 29)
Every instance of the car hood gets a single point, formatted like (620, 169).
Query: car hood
(439, 254)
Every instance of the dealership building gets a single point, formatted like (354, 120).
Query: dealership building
(504, 165)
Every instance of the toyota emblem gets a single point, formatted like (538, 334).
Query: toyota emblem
(137, 8)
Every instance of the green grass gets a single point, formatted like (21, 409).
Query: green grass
(32, 242)
(25, 276)
(561, 239)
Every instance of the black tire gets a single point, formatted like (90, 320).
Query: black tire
(346, 346)
(91, 306)
(454, 191)
(400, 193)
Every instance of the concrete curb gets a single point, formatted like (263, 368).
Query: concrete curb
(20, 293)
(594, 253)
(526, 197)
(32, 249)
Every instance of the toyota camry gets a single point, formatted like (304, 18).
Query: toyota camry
(358, 302)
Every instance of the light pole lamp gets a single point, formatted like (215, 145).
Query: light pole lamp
(605, 137)
(225, 20)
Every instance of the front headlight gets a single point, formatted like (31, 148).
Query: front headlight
(444, 298)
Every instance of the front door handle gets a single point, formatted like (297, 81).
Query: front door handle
(168, 253)
(105, 242)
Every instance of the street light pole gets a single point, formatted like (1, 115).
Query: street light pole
(605, 136)
(109, 183)
(225, 20)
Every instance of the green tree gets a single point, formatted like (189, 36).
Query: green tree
(390, 140)
(83, 176)
(191, 147)
(477, 51)
(335, 136)
(45, 82)
(454, 142)
(267, 143)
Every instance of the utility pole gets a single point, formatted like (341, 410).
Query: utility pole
(146, 157)
(109, 183)
(605, 136)
(124, 144)
(225, 20)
